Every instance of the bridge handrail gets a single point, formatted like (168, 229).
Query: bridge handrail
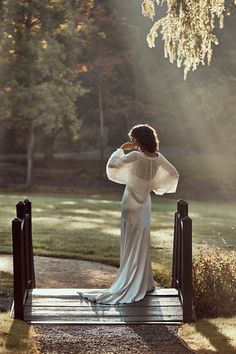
(182, 259)
(23, 264)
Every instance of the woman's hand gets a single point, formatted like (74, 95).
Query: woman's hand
(128, 146)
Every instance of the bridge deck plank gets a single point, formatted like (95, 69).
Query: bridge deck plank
(64, 306)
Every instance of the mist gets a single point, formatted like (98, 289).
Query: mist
(196, 114)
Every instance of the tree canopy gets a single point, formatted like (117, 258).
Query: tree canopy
(40, 45)
(77, 75)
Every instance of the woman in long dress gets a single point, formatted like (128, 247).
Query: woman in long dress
(142, 171)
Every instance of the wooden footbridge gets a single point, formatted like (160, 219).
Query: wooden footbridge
(64, 306)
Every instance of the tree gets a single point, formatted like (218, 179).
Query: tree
(40, 84)
(187, 29)
(110, 74)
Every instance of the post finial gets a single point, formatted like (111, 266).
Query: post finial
(28, 204)
(20, 210)
(182, 208)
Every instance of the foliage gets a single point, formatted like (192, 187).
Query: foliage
(161, 272)
(6, 286)
(40, 43)
(187, 29)
(214, 282)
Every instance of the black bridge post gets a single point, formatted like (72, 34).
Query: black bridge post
(18, 269)
(174, 257)
(187, 293)
(23, 264)
(182, 259)
(182, 211)
(29, 240)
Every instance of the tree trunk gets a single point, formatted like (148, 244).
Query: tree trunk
(136, 74)
(101, 117)
(30, 146)
(30, 155)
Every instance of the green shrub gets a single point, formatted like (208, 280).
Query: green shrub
(214, 283)
(6, 284)
(161, 274)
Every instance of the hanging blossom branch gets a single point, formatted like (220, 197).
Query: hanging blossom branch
(187, 29)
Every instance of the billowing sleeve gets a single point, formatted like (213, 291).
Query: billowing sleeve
(119, 166)
(167, 177)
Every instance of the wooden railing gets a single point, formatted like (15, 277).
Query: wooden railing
(23, 264)
(182, 259)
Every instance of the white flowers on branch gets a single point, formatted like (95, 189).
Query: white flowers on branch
(187, 29)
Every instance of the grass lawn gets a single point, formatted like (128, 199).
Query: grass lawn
(88, 227)
(16, 337)
(209, 336)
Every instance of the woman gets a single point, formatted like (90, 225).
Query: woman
(141, 171)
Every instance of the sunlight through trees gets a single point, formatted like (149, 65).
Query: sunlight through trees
(187, 29)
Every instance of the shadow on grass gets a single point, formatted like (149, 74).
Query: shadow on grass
(215, 337)
(18, 339)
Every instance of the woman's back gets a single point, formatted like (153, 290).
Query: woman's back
(142, 174)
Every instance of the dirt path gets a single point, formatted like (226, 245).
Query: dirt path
(103, 339)
(94, 339)
(66, 273)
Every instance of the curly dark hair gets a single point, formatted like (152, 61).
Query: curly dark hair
(146, 137)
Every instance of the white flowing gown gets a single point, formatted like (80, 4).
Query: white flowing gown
(141, 174)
